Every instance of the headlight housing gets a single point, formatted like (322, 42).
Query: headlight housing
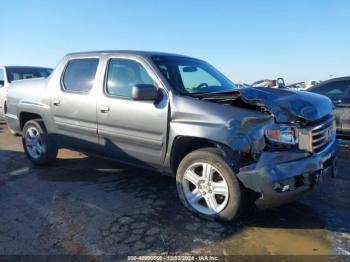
(282, 135)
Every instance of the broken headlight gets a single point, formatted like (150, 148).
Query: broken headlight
(282, 135)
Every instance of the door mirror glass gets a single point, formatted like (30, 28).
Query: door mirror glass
(144, 92)
(2, 83)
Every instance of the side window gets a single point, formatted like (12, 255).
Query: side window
(334, 89)
(79, 75)
(123, 74)
(2, 77)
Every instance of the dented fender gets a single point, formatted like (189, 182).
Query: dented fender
(248, 135)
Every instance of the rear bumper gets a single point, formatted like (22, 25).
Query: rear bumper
(282, 177)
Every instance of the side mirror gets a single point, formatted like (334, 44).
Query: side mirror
(280, 83)
(144, 92)
(2, 83)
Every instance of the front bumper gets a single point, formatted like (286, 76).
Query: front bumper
(296, 171)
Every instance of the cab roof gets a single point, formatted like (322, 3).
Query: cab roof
(17, 67)
(124, 52)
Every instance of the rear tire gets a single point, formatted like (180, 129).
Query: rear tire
(215, 196)
(37, 143)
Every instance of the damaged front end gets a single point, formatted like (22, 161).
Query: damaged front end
(281, 176)
(291, 148)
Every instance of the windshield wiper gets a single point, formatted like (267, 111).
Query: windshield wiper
(214, 93)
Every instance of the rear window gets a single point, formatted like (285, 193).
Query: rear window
(79, 75)
(20, 73)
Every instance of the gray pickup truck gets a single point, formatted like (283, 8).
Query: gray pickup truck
(179, 115)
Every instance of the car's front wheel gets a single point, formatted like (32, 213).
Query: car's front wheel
(37, 144)
(208, 186)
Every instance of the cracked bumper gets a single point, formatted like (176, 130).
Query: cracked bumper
(300, 170)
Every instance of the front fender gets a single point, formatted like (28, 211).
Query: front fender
(236, 136)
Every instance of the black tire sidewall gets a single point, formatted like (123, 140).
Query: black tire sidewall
(214, 157)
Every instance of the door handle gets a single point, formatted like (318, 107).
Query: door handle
(56, 102)
(104, 109)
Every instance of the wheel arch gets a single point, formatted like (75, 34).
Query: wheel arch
(25, 116)
(183, 145)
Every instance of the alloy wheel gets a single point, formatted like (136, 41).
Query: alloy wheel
(205, 188)
(34, 143)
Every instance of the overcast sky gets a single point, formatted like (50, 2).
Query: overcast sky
(247, 40)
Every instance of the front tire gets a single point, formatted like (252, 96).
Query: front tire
(208, 186)
(37, 144)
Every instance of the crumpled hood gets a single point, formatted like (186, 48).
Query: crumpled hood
(289, 105)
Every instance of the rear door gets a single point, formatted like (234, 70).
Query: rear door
(73, 104)
(131, 131)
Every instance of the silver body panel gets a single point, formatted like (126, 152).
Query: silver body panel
(139, 132)
(147, 133)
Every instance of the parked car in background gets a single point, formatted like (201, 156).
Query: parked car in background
(265, 83)
(9, 74)
(299, 86)
(338, 90)
(311, 83)
(180, 116)
(241, 85)
(303, 85)
(278, 83)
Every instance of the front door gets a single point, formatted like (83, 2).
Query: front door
(131, 131)
(73, 104)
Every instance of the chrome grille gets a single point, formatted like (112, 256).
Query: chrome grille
(315, 138)
(321, 135)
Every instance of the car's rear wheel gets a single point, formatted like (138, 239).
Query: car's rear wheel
(37, 144)
(208, 186)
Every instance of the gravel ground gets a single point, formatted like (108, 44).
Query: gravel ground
(86, 206)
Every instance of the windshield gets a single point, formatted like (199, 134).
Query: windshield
(332, 89)
(19, 73)
(192, 76)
